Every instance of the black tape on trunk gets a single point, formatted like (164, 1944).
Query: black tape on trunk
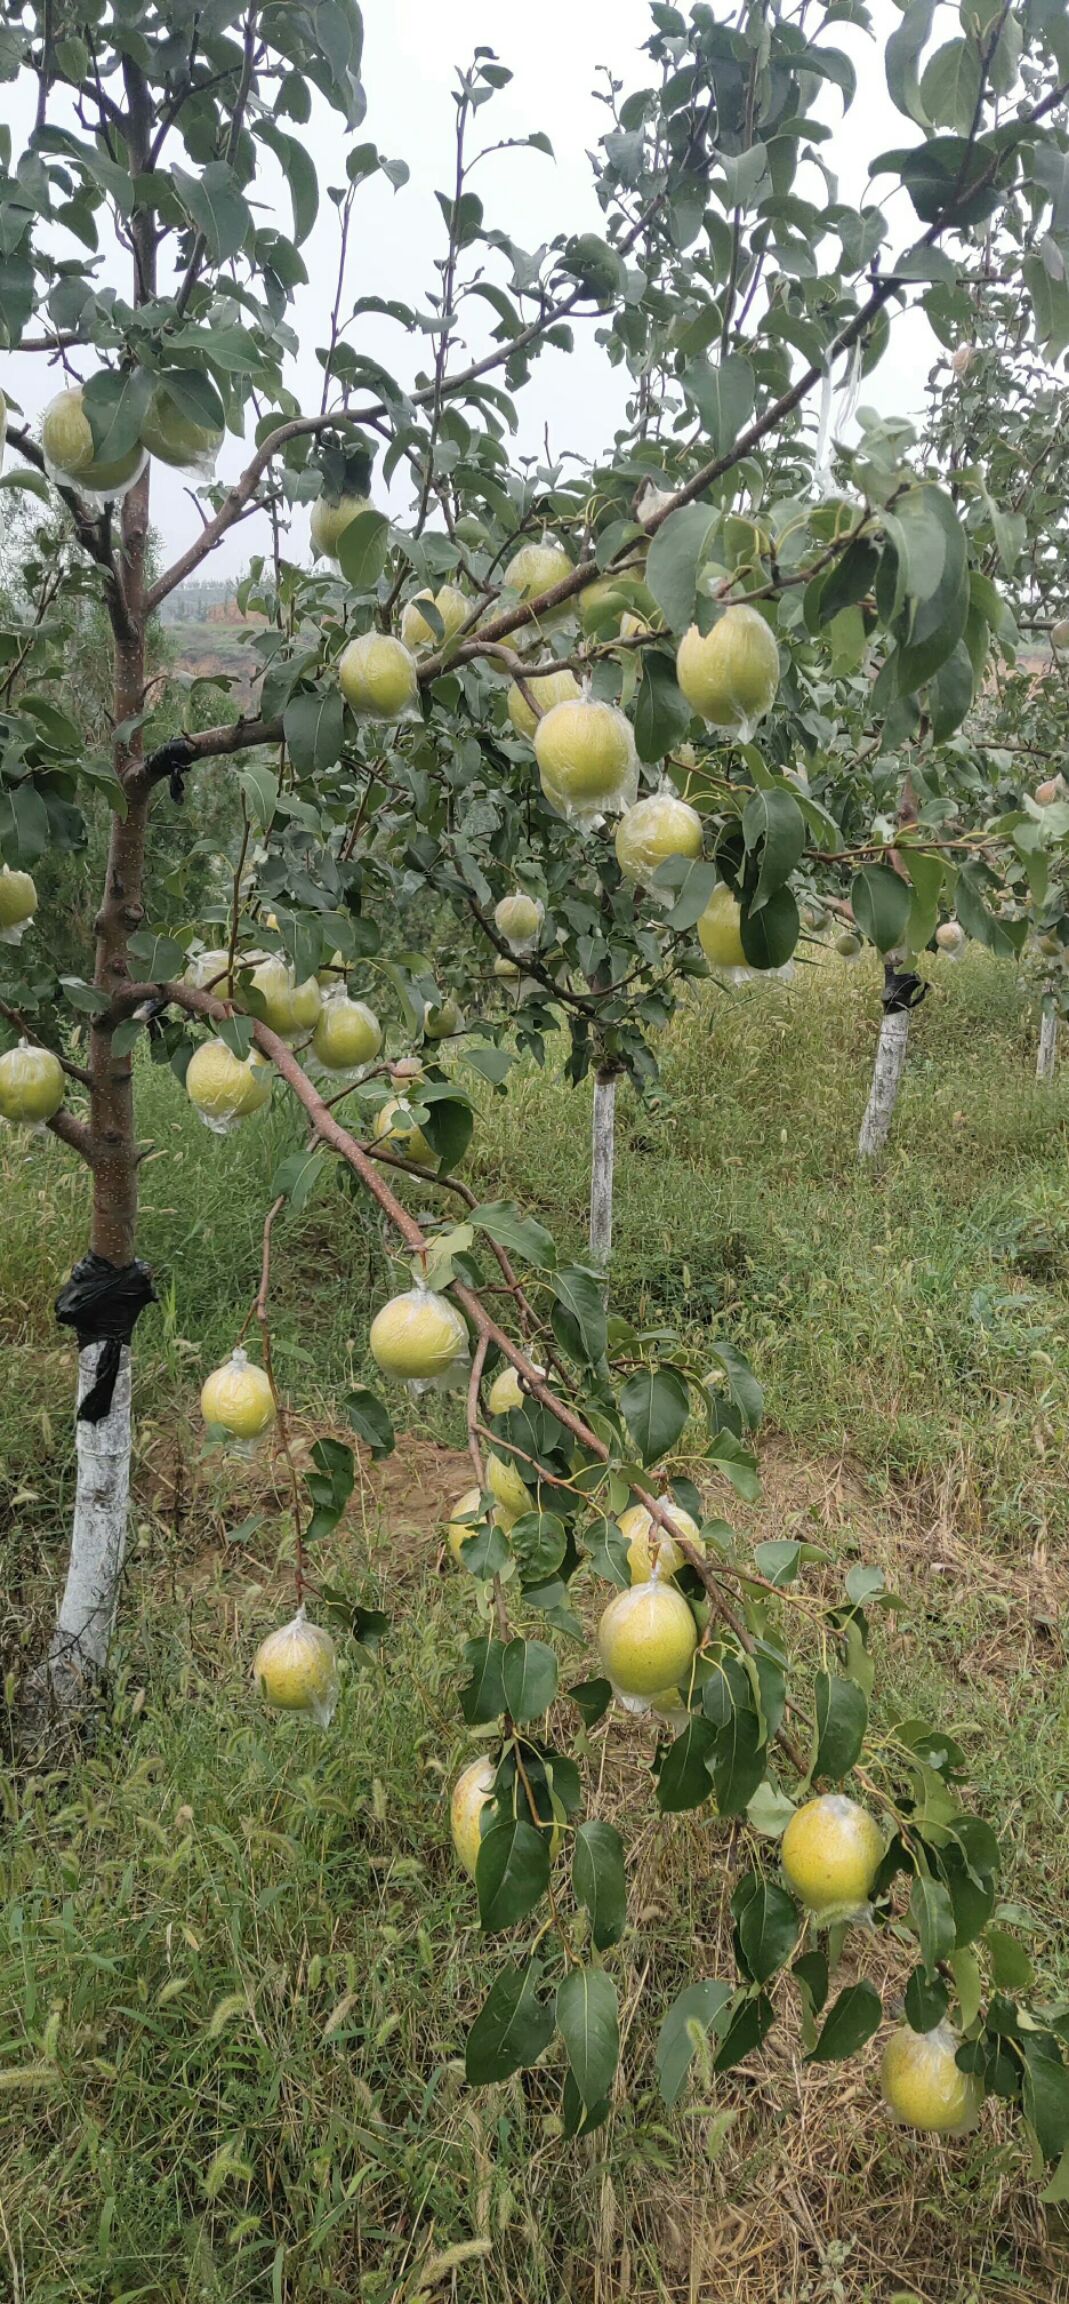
(102, 1302)
(902, 990)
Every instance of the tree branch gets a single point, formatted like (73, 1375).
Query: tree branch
(238, 497)
(26, 1031)
(181, 752)
(330, 1131)
(73, 1132)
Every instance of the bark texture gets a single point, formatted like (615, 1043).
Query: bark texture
(80, 1643)
(1047, 1052)
(886, 1081)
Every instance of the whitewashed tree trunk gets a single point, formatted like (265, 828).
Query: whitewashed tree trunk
(79, 1651)
(886, 1081)
(1047, 1054)
(603, 1141)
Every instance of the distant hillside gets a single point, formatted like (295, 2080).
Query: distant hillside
(204, 626)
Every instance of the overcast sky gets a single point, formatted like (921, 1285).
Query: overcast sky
(554, 51)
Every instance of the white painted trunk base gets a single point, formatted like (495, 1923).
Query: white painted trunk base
(886, 1081)
(603, 1141)
(82, 1638)
(1047, 1053)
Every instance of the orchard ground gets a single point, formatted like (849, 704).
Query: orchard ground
(238, 1961)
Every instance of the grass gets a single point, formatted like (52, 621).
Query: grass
(236, 1963)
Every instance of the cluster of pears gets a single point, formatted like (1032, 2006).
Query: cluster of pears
(343, 1035)
(832, 1849)
(584, 748)
(295, 1668)
(167, 432)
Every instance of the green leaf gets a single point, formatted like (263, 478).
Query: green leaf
(362, 549)
(740, 1756)
(951, 694)
(766, 1923)
(329, 1486)
(370, 1418)
(950, 86)
(608, 1548)
(675, 556)
(698, 2010)
(1045, 2094)
(125, 1037)
(656, 1405)
(592, 1698)
(579, 1318)
(486, 1551)
(1056, 2193)
(193, 393)
(881, 901)
(299, 171)
(1011, 1966)
(297, 1176)
(216, 205)
(313, 727)
(589, 2026)
(752, 2017)
(1050, 306)
(116, 405)
(965, 1969)
(520, 1235)
(529, 1678)
(160, 956)
(511, 1872)
(927, 876)
(684, 1780)
(236, 1034)
(447, 1124)
(258, 784)
(842, 1717)
(482, 1698)
(723, 395)
(512, 2028)
(932, 1914)
(1004, 937)
(694, 879)
(812, 1976)
(24, 826)
(737, 1465)
(662, 713)
(778, 1559)
(902, 56)
(742, 1384)
(538, 1542)
(773, 822)
(851, 2020)
(927, 2001)
(770, 935)
(599, 1881)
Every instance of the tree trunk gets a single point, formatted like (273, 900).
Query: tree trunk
(886, 1081)
(1047, 1055)
(87, 1612)
(82, 1637)
(603, 1138)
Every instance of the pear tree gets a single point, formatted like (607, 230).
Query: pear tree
(378, 756)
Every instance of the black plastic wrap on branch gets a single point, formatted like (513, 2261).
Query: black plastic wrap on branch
(902, 990)
(102, 1302)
